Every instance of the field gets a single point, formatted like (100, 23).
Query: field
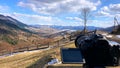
(38, 59)
(30, 59)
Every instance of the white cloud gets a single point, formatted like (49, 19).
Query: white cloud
(105, 8)
(74, 18)
(3, 8)
(58, 6)
(106, 15)
(101, 23)
(109, 11)
(43, 20)
(114, 8)
(117, 15)
(49, 20)
(30, 5)
(103, 14)
(35, 19)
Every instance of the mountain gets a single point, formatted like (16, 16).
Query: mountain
(116, 31)
(13, 34)
(18, 23)
(57, 27)
(108, 29)
(112, 30)
(75, 27)
(9, 25)
(42, 30)
(12, 20)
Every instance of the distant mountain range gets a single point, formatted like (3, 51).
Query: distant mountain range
(108, 29)
(9, 25)
(75, 27)
(67, 27)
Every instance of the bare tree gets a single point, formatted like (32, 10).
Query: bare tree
(85, 14)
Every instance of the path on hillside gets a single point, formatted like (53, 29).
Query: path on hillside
(50, 47)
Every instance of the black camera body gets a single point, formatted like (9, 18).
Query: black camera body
(97, 51)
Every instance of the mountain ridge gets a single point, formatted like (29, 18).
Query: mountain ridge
(58, 27)
(11, 25)
(13, 33)
(12, 20)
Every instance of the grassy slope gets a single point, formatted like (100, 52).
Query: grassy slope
(36, 59)
(24, 60)
(29, 59)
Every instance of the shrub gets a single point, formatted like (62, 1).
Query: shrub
(9, 40)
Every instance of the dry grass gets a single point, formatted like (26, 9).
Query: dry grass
(24, 60)
(30, 59)
(37, 59)
(20, 60)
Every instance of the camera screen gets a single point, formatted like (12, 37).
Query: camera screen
(71, 55)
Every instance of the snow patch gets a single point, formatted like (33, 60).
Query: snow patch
(118, 36)
(113, 43)
(104, 34)
(54, 61)
(109, 36)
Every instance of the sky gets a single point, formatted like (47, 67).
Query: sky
(62, 12)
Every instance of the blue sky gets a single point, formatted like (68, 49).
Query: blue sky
(62, 12)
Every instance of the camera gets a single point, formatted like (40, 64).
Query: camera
(97, 51)
(93, 50)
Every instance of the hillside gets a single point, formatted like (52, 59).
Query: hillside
(42, 30)
(58, 27)
(112, 30)
(32, 59)
(117, 31)
(8, 25)
(13, 34)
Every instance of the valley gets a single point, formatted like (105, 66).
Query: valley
(33, 46)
